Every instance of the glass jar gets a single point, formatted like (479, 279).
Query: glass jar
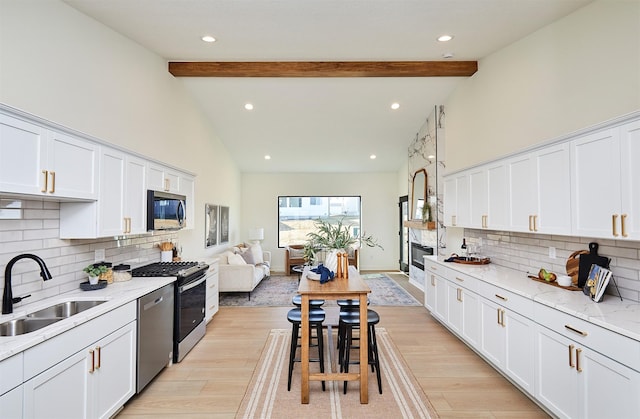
(121, 273)
(108, 275)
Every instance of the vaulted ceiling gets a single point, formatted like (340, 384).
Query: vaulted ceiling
(327, 122)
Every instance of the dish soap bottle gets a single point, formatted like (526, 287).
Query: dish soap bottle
(464, 253)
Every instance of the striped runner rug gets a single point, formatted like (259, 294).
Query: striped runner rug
(267, 395)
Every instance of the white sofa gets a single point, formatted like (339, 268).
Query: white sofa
(240, 271)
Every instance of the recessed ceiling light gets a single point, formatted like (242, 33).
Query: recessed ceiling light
(445, 38)
(248, 106)
(267, 157)
(208, 38)
(447, 55)
(395, 105)
(372, 157)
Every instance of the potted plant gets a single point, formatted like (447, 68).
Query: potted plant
(94, 271)
(334, 237)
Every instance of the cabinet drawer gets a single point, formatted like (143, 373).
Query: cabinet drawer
(463, 280)
(506, 299)
(438, 269)
(213, 269)
(11, 373)
(610, 344)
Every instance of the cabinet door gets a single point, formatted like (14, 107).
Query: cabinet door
(441, 303)
(11, 404)
(75, 164)
(450, 201)
(630, 180)
(492, 340)
(212, 292)
(430, 291)
(62, 391)
(454, 307)
(556, 384)
(463, 205)
(135, 195)
(115, 370)
(471, 317)
(162, 178)
(595, 184)
(498, 197)
(112, 178)
(522, 193)
(553, 186)
(22, 156)
(519, 361)
(608, 389)
(478, 198)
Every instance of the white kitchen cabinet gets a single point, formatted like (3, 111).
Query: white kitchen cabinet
(442, 300)
(478, 198)
(575, 381)
(94, 382)
(11, 404)
(463, 313)
(121, 207)
(161, 178)
(630, 181)
(429, 290)
(522, 198)
(497, 217)
(213, 291)
(39, 161)
(456, 200)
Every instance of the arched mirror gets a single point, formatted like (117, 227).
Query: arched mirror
(418, 193)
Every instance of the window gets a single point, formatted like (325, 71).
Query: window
(297, 215)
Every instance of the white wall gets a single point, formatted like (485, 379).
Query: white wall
(379, 192)
(579, 71)
(63, 66)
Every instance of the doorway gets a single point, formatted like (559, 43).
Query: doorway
(403, 232)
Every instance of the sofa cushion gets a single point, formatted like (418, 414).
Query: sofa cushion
(235, 259)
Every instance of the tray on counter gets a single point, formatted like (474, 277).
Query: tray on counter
(470, 261)
(555, 284)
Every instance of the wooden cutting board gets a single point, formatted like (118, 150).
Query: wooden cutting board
(573, 265)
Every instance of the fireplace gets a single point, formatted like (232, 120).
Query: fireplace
(417, 253)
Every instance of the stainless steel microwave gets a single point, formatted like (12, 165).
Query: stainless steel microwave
(166, 211)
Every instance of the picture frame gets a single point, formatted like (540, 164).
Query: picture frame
(224, 224)
(211, 223)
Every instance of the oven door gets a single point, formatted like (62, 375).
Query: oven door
(190, 305)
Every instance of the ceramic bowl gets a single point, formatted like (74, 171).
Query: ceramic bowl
(563, 280)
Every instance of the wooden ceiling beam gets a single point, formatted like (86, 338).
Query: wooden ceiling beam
(324, 69)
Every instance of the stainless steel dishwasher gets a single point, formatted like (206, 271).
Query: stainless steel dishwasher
(155, 334)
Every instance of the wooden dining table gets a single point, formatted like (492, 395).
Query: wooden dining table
(337, 289)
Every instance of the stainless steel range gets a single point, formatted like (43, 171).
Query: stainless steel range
(190, 295)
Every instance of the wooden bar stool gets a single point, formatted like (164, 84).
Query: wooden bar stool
(297, 301)
(316, 317)
(349, 320)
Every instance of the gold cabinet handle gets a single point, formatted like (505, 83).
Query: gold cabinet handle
(573, 329)
(535, 223)
(459, 294)
(433, 268)
(614, 226)
(453, 220)
(46, 181)
(485, 221)
(502, 318)
(501, 297)
(211, 308)
(53, 182)
(578, 367)
(433, 280)
(530, 223)
(460, 279)
(93, 361)
(623, 219)
(167, 185)
(498, 311)
(571, 347)
(99, 350)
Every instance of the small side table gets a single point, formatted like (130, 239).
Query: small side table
(298, 269)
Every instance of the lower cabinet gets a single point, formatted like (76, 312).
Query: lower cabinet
(94, 382)
(11, 404)
(576, 381)
(212, 291)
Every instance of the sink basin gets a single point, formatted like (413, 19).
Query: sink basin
(66, 309)
(24, 325)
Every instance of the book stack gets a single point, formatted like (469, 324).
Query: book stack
(597, 282)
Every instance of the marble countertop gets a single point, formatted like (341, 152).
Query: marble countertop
(622, 317)
(114, 295)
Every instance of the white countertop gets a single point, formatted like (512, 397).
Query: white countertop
(622, 317)
(115, 295)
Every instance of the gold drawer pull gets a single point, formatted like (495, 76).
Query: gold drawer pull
(93, 361)
(46, 181)
(501, 297)
(578, 367)
(433, 280)
(573, 329)
(614, 224)
(571, 347)
(623, 219)
(53, 182)
(460, 279)
(98, 349)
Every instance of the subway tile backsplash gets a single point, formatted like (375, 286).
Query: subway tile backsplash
(530, 252)
(38, 231)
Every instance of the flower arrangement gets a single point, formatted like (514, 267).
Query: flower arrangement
(330, 236)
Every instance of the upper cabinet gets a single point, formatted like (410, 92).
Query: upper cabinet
(588, 186)
(38, 161)
(605, 183)
(161, 178)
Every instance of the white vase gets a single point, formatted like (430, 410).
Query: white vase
(93, 280)
(331, 261)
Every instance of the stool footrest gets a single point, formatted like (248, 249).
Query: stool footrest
(335, 376)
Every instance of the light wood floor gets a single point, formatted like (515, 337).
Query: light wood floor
(211, 381)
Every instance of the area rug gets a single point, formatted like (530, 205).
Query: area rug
(278, 290)
(267, 395)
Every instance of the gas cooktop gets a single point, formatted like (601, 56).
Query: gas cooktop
(177, 269)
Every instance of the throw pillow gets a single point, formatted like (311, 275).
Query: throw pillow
(223, 258)
(236, 260)
(256, 251)
(295, 253)
(247, 256)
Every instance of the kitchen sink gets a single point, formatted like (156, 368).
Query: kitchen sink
(66, 309)
(24, 325)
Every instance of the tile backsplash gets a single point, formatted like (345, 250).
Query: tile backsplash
(530, 252)
(38, 233)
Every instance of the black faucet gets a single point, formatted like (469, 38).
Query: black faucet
(7, 296)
